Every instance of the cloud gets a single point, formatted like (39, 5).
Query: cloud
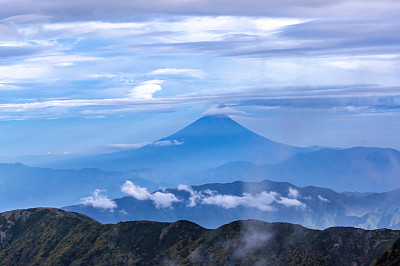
(58, 42)
(120, 10)
(99, 200)
(291, 202)
(128, 146)
(163, 200)
(261, 201)
(137, 192)
(64, 60)
(8, 87)
(194, 195)
(17, 51)
(160, 199)
(195, 73)
(167, 143)
(323, 199)
(146, 89)
(373, 98)
(293, 193)
(221, 109)
(253, 235)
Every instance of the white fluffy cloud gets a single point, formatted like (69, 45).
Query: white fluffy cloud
(137, 192)
(291, 202)
(146, 89)
(99, 200)
(261, 201)
(293, 193)
(160, 199)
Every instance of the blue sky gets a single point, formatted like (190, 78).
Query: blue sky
(80, 77)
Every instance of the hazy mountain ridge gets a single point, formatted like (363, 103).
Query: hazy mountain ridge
(52, 236)
(212, 205)
(22, 186)
(363, 169)
(208, 142)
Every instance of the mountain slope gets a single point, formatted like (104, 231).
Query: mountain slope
(55, 237)
(208, 142)
(391, 257)
(360, 168)
(364, 169)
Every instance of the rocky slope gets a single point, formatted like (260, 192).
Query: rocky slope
(44, 236)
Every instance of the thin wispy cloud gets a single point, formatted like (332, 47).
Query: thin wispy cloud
(196, 73)
(128, 146)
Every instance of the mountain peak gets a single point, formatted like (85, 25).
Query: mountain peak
(213, 125)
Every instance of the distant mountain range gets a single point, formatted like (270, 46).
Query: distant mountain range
(233, 153)
(22, 186)
(44, 236)
(212, 205)
(217, 149)
(206, 143)
(356, 169)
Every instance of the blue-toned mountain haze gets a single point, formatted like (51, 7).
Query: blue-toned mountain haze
(208, 111)
(212, 205)
(208, 142)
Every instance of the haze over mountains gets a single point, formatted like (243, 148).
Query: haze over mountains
(212, 149)
(215, 153)
(354, 169)
(212, 205)
(22, 186)
(208, 142)
(218, 149)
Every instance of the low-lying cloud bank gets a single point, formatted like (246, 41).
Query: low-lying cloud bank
(262, 201)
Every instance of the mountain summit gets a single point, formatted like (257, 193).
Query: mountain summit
(213, 125)
(208, 142)
(217, 131)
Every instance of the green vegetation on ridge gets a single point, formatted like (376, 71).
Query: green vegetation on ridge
(44, 236)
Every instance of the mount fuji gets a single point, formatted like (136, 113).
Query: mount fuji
(208, 142)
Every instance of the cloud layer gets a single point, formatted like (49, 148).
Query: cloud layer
(99, 200)
(106, 61)
(160, 199)
(262, 201)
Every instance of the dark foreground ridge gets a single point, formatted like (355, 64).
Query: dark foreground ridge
(44, 236)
